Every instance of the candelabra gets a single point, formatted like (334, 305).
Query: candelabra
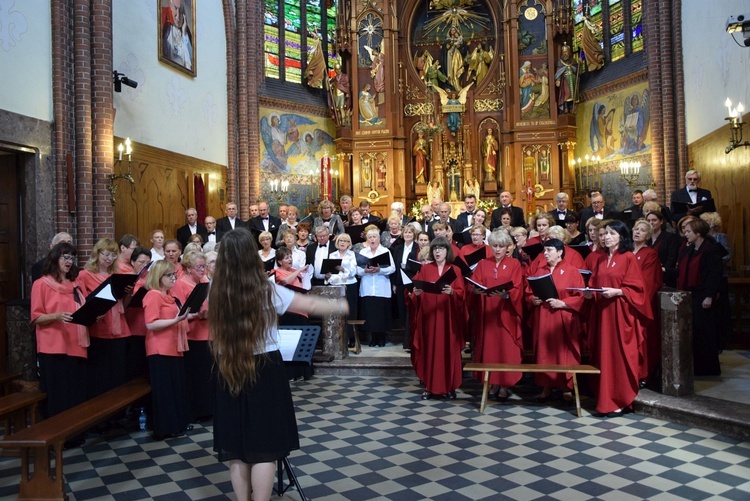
(587, 174)
(630, 172)
(127, 176)
(735, 126)
(278, 189)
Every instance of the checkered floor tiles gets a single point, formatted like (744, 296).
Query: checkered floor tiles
(369, 437)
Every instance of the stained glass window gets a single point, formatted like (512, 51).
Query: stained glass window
(615, 42)
(318, 19)
(616, 30)
(636, 24)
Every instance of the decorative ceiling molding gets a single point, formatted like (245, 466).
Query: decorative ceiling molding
(280, 104)
(615, 85)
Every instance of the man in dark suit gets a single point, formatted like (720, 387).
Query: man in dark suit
(597, 210)
(264, 221)
(399, 209)
(317, 251)
(690, 194)
(558, 215)
(466, 219)
(506, 201)
(635, 211)
(345, 202)
(213, 234)
(230, 221)
(428, 218)
(191, 228)
(444, 213)
(367, 218)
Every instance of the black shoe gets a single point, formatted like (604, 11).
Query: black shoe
(451, 395)
(615, 414)
(426, 395)
(373, 343)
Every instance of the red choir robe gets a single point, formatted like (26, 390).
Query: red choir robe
(615, 327)
(653, 278)
(499, 336)
(557, 332)
(471, 300)
(437, 332)
(590, 264)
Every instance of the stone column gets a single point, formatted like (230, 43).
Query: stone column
(676, 343)
(21, 339)
(333, 331)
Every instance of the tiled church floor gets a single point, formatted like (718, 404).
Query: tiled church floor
(371, 437)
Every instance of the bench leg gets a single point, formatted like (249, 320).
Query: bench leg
(485, 390)
(578, 398)
(42, 485)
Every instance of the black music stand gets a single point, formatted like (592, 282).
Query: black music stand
(303, 353)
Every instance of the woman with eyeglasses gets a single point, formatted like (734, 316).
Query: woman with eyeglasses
(437, 327)
(136, 353)
(61, 346)
(166, 342)
(200, 387)
(110, 333)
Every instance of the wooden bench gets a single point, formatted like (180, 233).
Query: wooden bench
(5, 381)
(568, 369)
(356, 324)
(52, 433)
(19, 408)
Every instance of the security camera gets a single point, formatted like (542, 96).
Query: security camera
(739, 24)
(119, 78)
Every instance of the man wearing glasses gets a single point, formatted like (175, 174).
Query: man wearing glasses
(690, 194)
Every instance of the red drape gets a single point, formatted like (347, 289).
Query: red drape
(200, 198)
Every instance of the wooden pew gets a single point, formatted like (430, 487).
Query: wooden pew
(52, 433)
(20, 408)
(6, 379)
(568, 369)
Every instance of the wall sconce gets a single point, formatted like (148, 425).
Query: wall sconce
(735, 126)
(128, 176)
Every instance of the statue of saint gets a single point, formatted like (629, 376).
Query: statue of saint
(435, 190)
(367, 173)
(453, 49)
(368, 110)
(420, 159)
(339, 96)
(566, 80)
(316, 66)
(489, 152)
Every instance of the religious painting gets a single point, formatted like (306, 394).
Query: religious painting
(293, 143)
(373, 174)
(371, 66)
(177, 35)
(618, 124)
(534, 88)
(532, 29)
(453, 47)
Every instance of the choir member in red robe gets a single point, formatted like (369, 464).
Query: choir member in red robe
(478, 234)
(436, 329)
(61, 345)
(653, 279)
(616, 320)
(557, 322)
(498, 337)
(699, 271)
(572, 257)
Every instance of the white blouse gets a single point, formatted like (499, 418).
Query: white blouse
(375, 284)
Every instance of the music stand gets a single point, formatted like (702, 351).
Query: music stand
(302, 352)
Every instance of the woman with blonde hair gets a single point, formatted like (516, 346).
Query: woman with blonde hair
(653, 275)
(292, 213)
(392, 236)
(254, 422)
(166, 341)
(109, 335)
(327, 218)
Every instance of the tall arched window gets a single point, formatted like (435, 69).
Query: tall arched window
(617, 23)
(289, 28)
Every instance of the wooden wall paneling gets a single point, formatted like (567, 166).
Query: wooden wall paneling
(163, 190)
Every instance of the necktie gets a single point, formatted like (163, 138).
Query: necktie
(693, 190)
(212, 233)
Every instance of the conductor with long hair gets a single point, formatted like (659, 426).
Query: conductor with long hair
(254, 423)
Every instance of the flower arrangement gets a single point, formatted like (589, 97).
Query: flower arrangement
(487, 205)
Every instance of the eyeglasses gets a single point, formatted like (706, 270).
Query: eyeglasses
(68, 258)
(109, 255)
(200, 267)
(477, 235)
(170, 275)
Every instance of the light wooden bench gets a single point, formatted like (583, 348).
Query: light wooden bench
(568, 369)
(52, 433)
(356, 324)
(19, 408)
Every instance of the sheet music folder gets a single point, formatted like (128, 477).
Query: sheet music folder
(436, 287)
(195, 299)
(99, 302)
(543, 287)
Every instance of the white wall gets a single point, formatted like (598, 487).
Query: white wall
(715, 66)
(169, 109)
(26, 58)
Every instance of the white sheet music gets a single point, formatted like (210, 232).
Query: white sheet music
(288, 342)
(405, 278)
(106, 293)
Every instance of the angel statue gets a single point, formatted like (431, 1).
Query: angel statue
(316, 66)
(453, 106)
(377, 69)
(479, 63)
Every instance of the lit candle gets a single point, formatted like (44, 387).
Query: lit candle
(120, 148)
(728, 104)
(128, 149)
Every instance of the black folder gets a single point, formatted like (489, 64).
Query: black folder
(382, 260)
(99, 302)
(436, 287)
(195, 299)
(465, 269)
(586, 274)
(583, 249)
(543, 287)
(705, 206)
(476, 256)
(137, 300)
(329, 266)
(356, 233)
(533, 250)
(269, 265)
(489, 290)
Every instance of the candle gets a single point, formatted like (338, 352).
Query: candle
(120, 148)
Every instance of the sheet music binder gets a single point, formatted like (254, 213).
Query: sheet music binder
(99, 302)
